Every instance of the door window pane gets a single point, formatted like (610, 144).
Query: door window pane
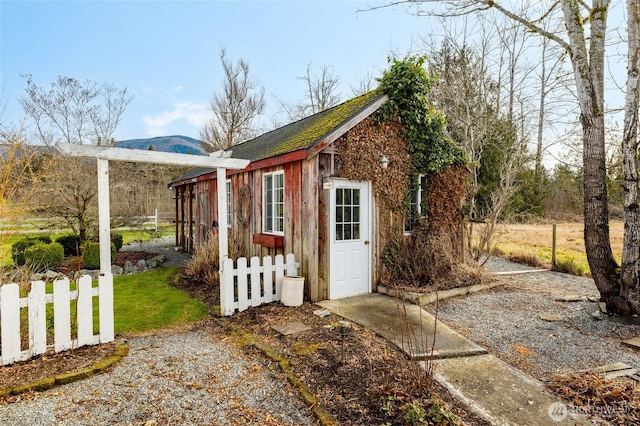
(347, 214)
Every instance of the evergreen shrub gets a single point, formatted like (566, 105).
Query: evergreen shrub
(41, 257)
(70, 243)
(91, 254)
(18, 248)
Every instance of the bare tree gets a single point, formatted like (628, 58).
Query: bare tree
(366, 83)
(465, 95)
(72, 111)
(488, 236)
(105, 116)
(75, 112)
(234, 108)
(584, 42)
(321, 90)
(320, 94)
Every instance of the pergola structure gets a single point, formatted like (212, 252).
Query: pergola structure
(220, 160)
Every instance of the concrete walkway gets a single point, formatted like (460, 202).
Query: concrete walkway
(489, 387)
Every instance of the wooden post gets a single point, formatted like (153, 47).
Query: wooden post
(223, 235)
(553, 248)
(177, 217)
(462, 259)
(104, 221)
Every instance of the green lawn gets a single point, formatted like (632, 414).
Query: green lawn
(146, 301)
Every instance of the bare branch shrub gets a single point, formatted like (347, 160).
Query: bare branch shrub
(205, 262)
(489, 236)
(204, 265)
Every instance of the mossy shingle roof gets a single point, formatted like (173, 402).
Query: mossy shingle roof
(303, 133)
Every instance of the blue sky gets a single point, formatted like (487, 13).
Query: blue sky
(167, 53)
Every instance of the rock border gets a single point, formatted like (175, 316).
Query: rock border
(310, 401)
(122, 350)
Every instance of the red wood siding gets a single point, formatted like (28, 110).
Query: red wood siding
(302, 189)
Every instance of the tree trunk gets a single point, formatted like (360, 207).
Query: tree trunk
(596, 213)
(630, 289)
(588, 69)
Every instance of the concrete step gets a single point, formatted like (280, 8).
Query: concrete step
(502, 394)
(489, 387)
(406, 325)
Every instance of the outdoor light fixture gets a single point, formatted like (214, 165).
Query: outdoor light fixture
(384, 161)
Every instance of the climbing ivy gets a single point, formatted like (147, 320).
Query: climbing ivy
(408, 84)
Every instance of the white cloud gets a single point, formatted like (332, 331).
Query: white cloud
(183, 115)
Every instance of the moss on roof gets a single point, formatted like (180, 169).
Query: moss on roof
(303, 133)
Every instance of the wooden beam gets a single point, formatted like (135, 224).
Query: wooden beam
(155, 157)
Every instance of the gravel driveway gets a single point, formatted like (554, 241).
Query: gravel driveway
(507, 320)
(185, 378)
(165, 246)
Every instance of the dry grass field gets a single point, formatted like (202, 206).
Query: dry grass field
(531, 243)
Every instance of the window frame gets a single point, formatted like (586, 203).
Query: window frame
(269, 222)
(416, 201)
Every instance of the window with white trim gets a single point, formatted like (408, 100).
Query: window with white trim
(273, 203)
(417, 207)
(229, 216)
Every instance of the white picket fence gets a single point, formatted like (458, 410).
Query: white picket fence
(253, 284)
(36, 304)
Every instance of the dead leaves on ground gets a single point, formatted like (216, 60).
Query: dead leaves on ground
(615, 400)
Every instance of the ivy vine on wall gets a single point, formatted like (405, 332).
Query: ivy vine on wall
(408, 84)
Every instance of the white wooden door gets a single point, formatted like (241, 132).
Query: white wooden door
(350, 252)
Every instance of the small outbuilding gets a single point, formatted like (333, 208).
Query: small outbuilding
(333, 189)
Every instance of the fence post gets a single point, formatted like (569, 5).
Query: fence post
(255, 281)
(37, 318)
(61, 315)
(279, 275)
(553, 248)
(84, 311)
(243, 296)
(267, 274)
(10, 320)
(105, 292)
(226, 288)
(156, 221)
(292, 271)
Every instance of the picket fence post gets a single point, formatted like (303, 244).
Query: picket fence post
(267, 266)
(279, 275)
(61, 315)
(226, 288)
(255, 281)
(37, 318)
(10, 320)
(85, 311)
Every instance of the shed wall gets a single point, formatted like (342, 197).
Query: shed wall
(300, 217)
